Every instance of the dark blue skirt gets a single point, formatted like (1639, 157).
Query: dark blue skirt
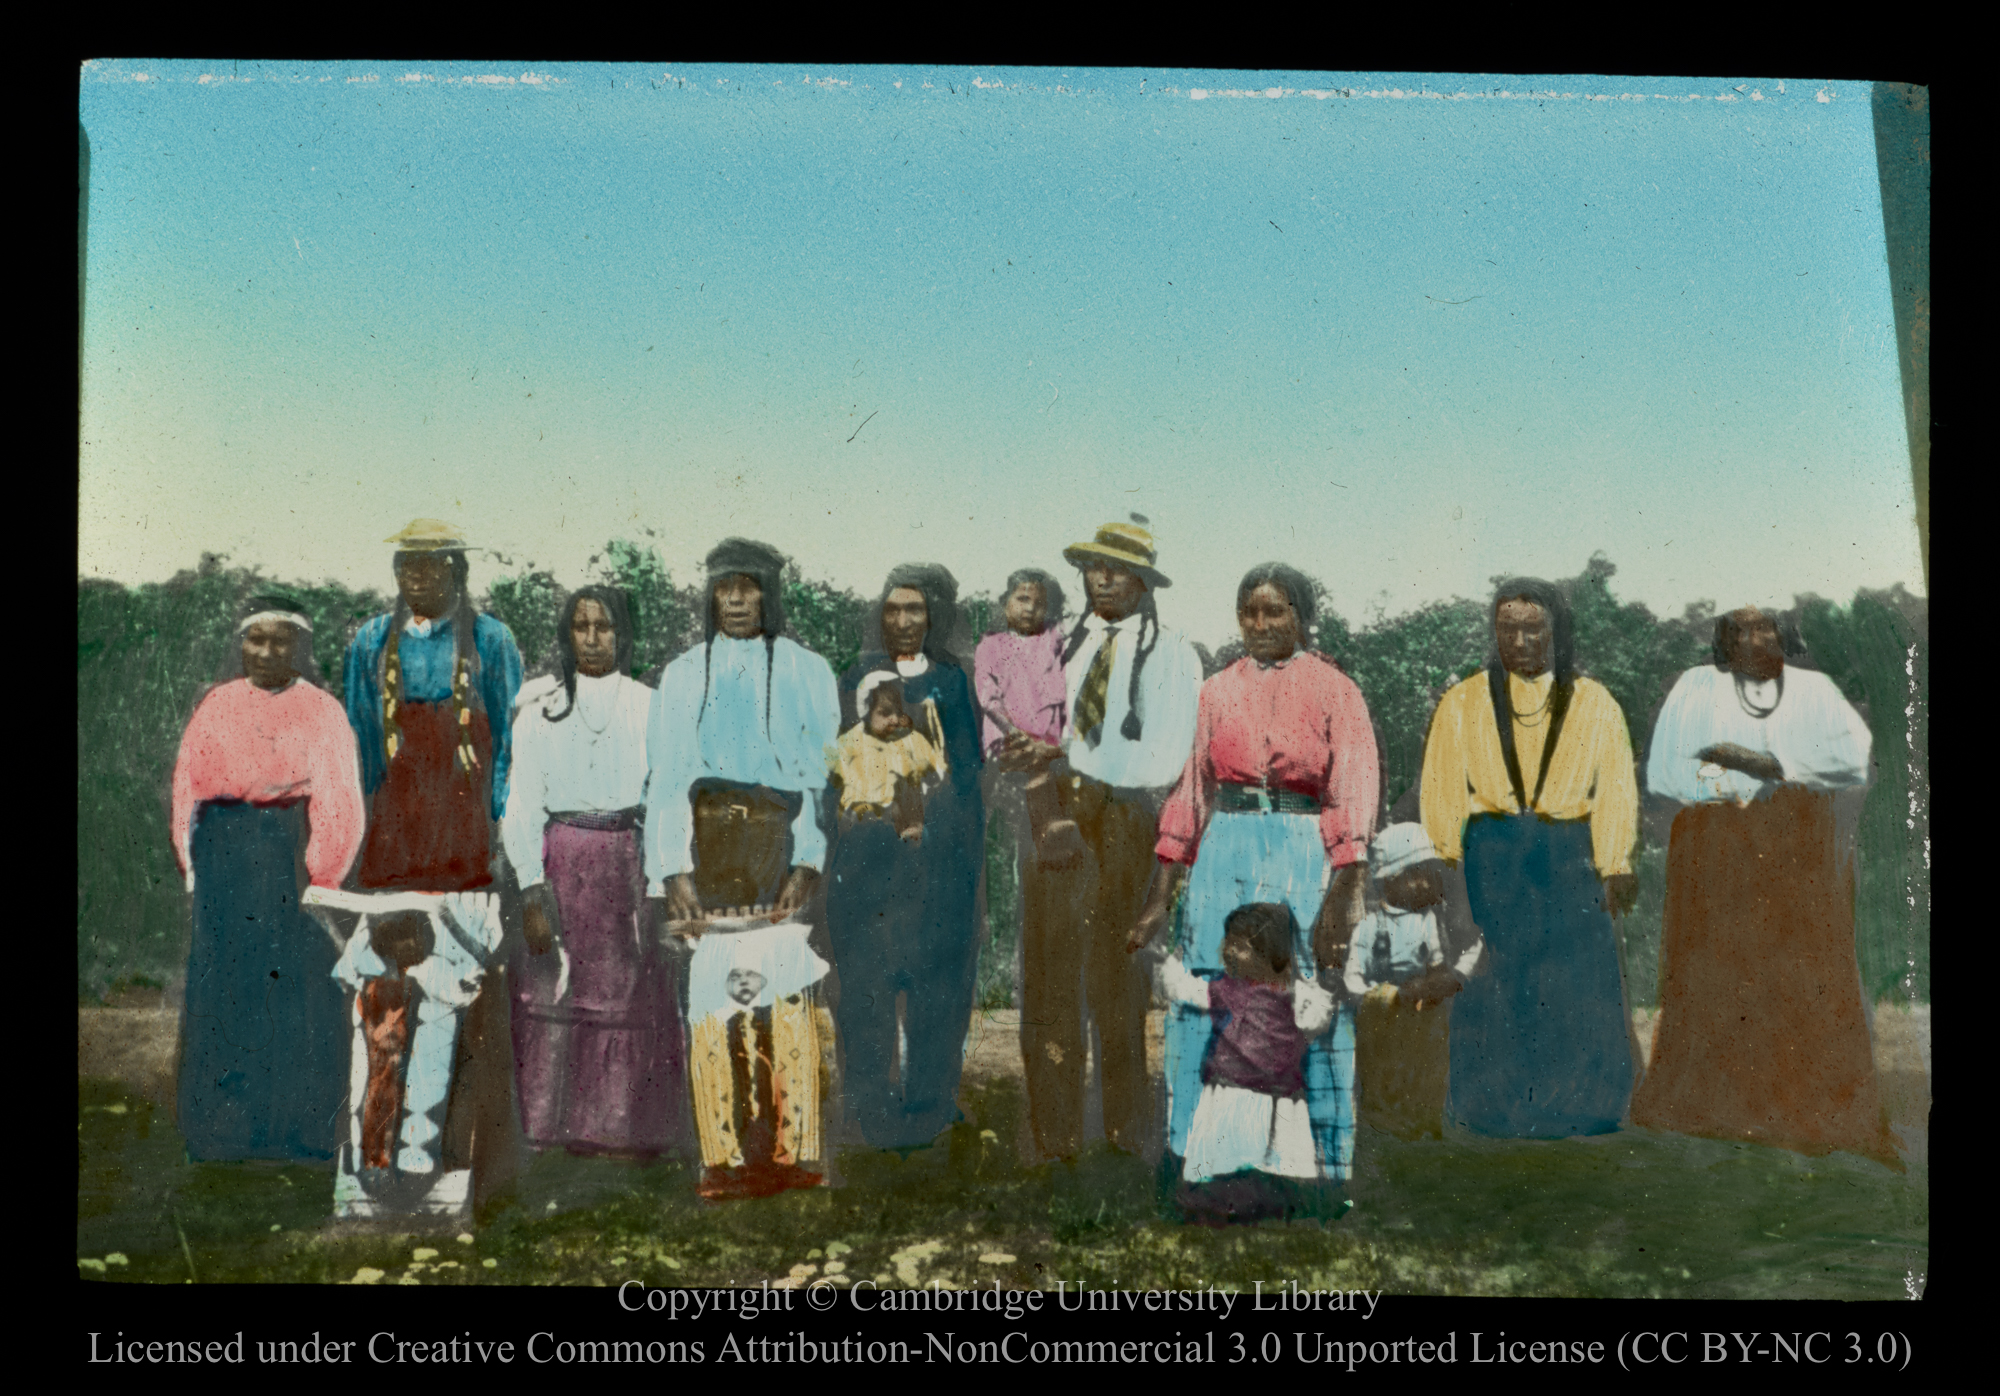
(264, 1051)
(1540, 1046)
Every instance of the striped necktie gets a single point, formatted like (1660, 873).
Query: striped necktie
(1091, 698)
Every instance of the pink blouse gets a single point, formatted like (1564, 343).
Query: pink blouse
(1301, 726)
(245, 743)
(1021, 676)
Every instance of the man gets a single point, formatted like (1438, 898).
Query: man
(1762, 1033)
(430, 688)
(736, 743)
(1528, 779)
(1132, 688)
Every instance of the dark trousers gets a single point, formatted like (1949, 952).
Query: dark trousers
(1073, 962)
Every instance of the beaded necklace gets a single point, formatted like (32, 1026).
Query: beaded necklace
(461, 692)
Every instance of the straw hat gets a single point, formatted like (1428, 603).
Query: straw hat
(1399, 848)
(1129, 545)
(428, 536)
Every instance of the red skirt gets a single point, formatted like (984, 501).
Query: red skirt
(1762, 1034)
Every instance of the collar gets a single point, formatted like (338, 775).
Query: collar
(422, 628)
(290, 684)
(1538, 685)
(1284, 663)
(912, 668)
(1097, 624)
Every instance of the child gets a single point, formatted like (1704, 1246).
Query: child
(388, 1006)
(1017, 677)
(1409, 954)
(884, 764)
(1250, 1150)
(756, 1061)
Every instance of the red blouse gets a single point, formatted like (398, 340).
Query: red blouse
(244, 743)
(1301, 726)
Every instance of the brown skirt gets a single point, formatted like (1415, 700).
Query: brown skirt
(1762, 1034)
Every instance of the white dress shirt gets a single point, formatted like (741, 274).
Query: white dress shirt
(1169, 697)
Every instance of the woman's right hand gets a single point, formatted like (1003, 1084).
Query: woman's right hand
(541, 937)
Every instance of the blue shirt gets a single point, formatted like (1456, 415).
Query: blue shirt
(427, 663)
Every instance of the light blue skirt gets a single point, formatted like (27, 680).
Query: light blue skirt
(1260, 857)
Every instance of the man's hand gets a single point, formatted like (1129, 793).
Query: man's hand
(681, 901)
(1758, 764)
(797, 891)
(535, 927)
(1621, 893)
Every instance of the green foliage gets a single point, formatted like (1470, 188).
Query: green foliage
(530, 605)
(830, 623)
(665, 619)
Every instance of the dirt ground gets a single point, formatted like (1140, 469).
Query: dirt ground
(136, 1040)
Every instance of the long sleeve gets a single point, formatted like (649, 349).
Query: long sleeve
(1312, 1007)
(1181, 987)
(1614, 810)
(527, 815)
(1672, 768)
(672, 758)
(338, 813)
(1353, 788)
(1184, 817)
(195, 740)
(1444, 796)
(362, 686)
(819, 725)
(988, 691)
(1823, 743)
(499, 681)
(1173, 702)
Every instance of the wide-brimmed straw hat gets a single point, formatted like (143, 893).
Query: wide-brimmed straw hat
(428, 536)
(1129, 545)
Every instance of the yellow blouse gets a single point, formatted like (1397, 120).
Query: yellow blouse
(1590, 776)
(868, 768)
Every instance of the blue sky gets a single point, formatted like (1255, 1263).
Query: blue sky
(1405, 332)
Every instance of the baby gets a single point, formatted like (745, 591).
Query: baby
(1250, 1150)
(1410, 953)
(388, 1004)
(885, 765)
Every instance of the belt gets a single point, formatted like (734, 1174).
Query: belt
(601, 820)
(1258, 799)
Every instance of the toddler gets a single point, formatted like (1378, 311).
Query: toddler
(1017, 676)
(1250, 1150)
(1410, 953)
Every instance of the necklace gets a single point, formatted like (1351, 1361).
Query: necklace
(1532, 719)
(1743, 697)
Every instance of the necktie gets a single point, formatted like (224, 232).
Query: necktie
(1090, 699)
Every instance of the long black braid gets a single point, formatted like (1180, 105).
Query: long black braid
(612, 599)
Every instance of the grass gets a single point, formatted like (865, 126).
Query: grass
(1626, 1215)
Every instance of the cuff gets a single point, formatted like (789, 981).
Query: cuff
(528, 883)
(1344, 851)
(1173, 849)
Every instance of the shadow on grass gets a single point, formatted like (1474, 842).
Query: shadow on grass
(1630, 1214)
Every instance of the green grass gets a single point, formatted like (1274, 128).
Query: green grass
(1627, 1215)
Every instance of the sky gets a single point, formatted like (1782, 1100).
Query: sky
(1405, 332)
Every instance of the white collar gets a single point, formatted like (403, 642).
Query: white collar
(1097, 624)
(912, 668)
(422, 628)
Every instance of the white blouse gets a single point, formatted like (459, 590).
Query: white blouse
(593, 759)
(1813, 731)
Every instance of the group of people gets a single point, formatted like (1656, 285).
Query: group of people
(458, 909)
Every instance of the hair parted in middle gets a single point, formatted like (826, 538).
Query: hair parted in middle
(612, 599)
(1269, 926)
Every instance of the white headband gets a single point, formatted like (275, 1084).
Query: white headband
(288, 617)
(866, 688)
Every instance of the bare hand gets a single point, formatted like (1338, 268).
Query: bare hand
(797, 891)
(535, 928)
(1621, 893)
(682, 902)
(1429, 988)
(1167, 878)
(1333, 928)
(1730, 756)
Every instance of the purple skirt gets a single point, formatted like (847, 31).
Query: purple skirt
(603, 1068)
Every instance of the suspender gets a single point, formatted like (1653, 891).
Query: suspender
(1503, 718)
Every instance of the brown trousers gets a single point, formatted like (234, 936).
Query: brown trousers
(1073, 927)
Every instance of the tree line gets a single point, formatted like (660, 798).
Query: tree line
(144, 655)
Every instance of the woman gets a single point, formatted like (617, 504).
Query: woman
(597, 1030)
(266, 783)
(1528, 778)
(1276, 804)
(904, 915)
(1762, 1033)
